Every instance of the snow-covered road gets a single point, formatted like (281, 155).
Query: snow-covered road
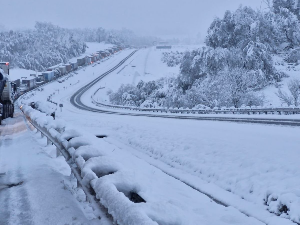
(35, 187)
(240, 164)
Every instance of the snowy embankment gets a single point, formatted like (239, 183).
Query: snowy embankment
(240, 158)
(293, 72)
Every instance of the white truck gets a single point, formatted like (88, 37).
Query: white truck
(7, 92)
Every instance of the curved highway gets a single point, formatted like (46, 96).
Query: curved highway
(76, 101)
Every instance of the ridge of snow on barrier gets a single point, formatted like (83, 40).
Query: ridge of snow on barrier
(192, 112)
(246, 110)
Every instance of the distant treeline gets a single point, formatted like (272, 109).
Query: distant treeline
(47, 45)
(39, 48)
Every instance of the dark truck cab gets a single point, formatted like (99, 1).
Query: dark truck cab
(2, 85)
(7, 92)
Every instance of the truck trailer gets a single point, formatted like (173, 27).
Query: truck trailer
(48, 75)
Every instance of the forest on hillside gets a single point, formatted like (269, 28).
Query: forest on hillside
(235, 63)
(47, 45)
(39, 48)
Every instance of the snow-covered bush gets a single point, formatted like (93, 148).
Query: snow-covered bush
(293, 56)
(131, 95)
(294, 97)
(253, 58)
(271, 28)
(172, 58)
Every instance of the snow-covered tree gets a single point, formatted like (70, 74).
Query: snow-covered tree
(292, 6)
(38, 49)
(293, 98)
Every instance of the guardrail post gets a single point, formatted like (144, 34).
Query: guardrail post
(48, 141)
(74, 177)
(57, 152)
(42, 135)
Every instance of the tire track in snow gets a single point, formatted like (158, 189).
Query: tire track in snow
(16, 207)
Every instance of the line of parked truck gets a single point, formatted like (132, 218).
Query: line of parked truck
(59, 70)
(10, 90)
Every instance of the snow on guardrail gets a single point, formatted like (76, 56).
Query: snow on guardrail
(246, 110)
(115, 187)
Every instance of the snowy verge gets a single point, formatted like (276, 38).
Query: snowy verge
(125, 184)
(93, 165)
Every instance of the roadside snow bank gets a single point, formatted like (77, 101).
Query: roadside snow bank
(132, 191)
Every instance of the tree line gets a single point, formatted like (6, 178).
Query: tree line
(47, 44)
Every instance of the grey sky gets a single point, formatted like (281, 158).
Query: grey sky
(150, 17)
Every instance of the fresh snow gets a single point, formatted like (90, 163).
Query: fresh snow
(237, 161)
(45, 191)
(93, 47)
(17, 73)
(145, 65)
(293, 72)
(116, 174)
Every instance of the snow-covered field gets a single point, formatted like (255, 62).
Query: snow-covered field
(238, 163)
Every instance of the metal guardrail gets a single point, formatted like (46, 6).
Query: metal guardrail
(249, 111)
(99, 210)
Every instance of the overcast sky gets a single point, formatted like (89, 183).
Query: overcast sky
(149, 17)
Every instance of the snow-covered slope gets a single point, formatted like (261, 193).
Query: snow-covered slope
(293, 72)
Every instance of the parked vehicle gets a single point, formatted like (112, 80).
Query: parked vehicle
(29, 83)
(48, 75)
(74, 66)
(63, 70)
(7, 92)
(68, 68)
(81, 61)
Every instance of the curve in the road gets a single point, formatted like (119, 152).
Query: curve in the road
(76, 101)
